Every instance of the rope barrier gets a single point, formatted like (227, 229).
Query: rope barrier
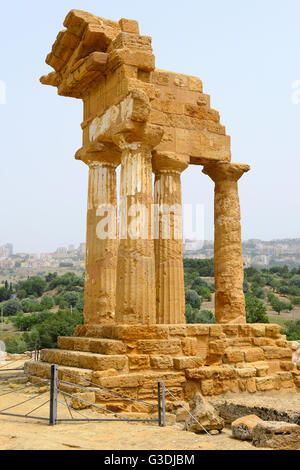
(40, 406)
(22, 403)
(20, 389)
(92, 404)
(133, 400)
(76, 411)
(113, 394)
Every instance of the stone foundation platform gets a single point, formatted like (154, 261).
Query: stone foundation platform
(211, 359)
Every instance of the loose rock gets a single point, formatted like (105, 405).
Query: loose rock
(242, 428)
(205, 414)
(277, 435)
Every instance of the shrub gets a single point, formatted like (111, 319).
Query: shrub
(256, 311)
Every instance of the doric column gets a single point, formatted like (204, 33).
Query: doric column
(170, 298)
(101, 241)
(136, 265)
(229, 273)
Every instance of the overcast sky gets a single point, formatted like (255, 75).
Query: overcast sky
(245, 52)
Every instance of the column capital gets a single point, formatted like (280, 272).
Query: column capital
(169, 162)
(225, 171)
(138, 136)
(98, 153)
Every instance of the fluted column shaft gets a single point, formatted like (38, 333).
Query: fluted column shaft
(136, 266)
(101, 244)
(170, 298)
(228, 259)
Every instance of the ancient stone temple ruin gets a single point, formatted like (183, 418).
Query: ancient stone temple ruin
(149, 121)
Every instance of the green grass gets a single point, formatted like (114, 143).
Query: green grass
(279, 320)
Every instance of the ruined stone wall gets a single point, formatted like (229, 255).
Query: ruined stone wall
(211, 359)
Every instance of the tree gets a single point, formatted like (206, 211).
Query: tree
(279, 306)
(192, 298)
(47, 302)
(61, 323)
(256, 311)
(205, 293)
(16, 345)
(71, 298)
(33, 285)
(12, 307)
(292, 330)
(295, 281)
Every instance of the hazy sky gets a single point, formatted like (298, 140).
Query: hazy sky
(245, 52)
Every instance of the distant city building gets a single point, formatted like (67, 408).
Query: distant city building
(6, 250)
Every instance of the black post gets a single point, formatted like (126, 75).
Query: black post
(159, 403)
(163, 403)
(53, 395)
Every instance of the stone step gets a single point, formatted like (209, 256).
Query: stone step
(69, 374)
(84, 360)
(123, 332)
(93, 345)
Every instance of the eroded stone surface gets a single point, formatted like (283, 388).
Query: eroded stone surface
(276, 435)
(242, 428)
(205, 413)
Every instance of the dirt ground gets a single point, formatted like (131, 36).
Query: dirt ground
(18, 433)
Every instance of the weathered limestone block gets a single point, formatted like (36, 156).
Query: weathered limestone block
(273, 352)
(258, 330)
(254, 354)
(216, 331)
(84, 360)
(273, 331)
(217, 347)
(95, 345)
(246, 372)
(230, 330)
(182, 363)
(242, 428)
(263, 342)
(198, 330)
(136, 332)
(244, 330)
(170, 346)
(251, 385)
(161, 362)
(265, 383)
(207, 387)
(99, 374)
(123, 381)
(189, 346)
(107, 346)
(178, 330)
(94, 331)
(261, 370)
(276, 435)
(222, 372)
(205, 414)
(139, 361)
(84, 400)
(228, 261)
(233, 355)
